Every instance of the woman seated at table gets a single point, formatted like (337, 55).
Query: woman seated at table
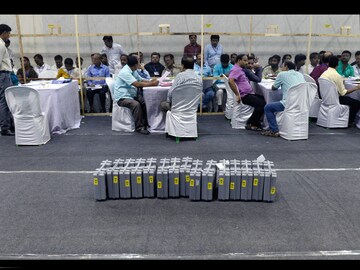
(30, 73)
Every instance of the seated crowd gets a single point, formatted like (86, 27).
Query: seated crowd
(244, 71)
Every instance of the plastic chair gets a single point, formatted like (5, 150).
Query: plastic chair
(181, 120)
(293, 122)
(31, 124)
(239, 113)
(332, 114)
(122, 118)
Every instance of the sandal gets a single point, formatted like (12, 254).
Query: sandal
(254, 128)
(270, 133)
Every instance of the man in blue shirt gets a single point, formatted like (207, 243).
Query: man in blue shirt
(285, 79)
(126, 94)
(97, 69)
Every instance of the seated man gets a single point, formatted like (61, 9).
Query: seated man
(219, 69)
(208, 91)
(286, 79)
(126, 94)
(332, 74)
(97, 69)
(253, 71)
(170, 65)
(155, 68)
(40, 66)
(246, 94)
(119, 66)
(69, 71)
(143, 73)
(273, 69)
(187, 76)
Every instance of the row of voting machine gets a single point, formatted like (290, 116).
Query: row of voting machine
(198, 180)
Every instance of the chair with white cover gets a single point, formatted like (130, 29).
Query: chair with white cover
(332, 114)
(122, 118)
(315, 105)
(293, 122)
(181, 120)
(31, 124)
(239, 112)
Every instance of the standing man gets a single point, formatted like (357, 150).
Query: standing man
(213, 51)
(192, 49)
(5, 82)
(113, 52)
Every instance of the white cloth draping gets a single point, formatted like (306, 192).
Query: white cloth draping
(60, 103)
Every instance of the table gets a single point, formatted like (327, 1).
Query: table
(60, 103)
(263, 88)
(153, 96)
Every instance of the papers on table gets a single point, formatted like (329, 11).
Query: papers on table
(95, 87)
(162, 78)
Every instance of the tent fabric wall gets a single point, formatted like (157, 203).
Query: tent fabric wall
(262, 46)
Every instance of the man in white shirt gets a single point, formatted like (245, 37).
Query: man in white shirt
(58, 63)
(6, 122)
(356, 66)
(41, 67)
(113, 52)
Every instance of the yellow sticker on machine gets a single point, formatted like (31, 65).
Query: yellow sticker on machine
(176, 181)
(273, 190)
(221, 181)
(159, 184)
(127, 183)
(138, 179)
(96, 182)
(232, 185)
(192, 182)
(151, 179)
(243, 183)
(187, 178)
(210, 186)
(256, 182)
(115, 179)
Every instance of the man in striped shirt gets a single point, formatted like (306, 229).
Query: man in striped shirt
(285, 79)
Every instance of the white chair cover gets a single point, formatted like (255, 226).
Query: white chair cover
(122, 118)
(332, 114)
(315, 105)
(31, 124)
(293, 122)
(239, 112)
(181, 120)
(229, 99)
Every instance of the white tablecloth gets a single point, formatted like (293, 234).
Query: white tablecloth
(153, 96)
(60, 103)
(264, 89)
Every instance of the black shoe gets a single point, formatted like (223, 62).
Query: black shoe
(7, 132)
